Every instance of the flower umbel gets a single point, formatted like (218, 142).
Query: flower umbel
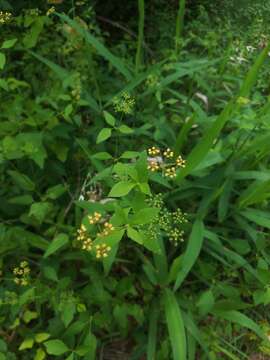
(108, 228)
(22, 273)
(93, 219)
(170, 172)
(102, 251)
(153, 151)
(153, 166)
(5, 16)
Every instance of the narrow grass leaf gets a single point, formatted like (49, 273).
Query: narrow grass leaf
(100, 48)
(152, 332)
(175, 326)
(192, 252)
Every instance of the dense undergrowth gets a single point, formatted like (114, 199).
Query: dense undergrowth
(135, 182)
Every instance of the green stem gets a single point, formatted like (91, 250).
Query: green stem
(138, 61)
(179, 22)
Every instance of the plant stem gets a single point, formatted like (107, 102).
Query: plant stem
(138, 61)
(179, 22)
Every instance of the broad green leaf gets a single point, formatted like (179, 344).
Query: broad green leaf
(40, 337)
(68, 312)
(59, 241)
(110, 120)
(129, 154)
(27, 344)
(124, 129)
(175, 326)
(102, 156)
(29, 316)
(7, 44)
(100, 48)
(144, 216)
(40, 354)
(121, 189)
(40, 210)
(192, 252)
(2, 61)
(55, 347)
(104, 134)
(135, 235)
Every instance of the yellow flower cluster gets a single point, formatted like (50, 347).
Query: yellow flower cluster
(94, 219)
(108, 228)
(102, 251)
(22, 274)
(85, 241)
(165, 161)
(5, 16)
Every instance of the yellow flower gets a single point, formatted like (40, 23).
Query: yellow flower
(169, 154)
(87, 244)
(108, 228)
(153, 166)
(22, 274)
(170, 172)
(102, 251)
(180, 161)
(153, 151)
(93, 219)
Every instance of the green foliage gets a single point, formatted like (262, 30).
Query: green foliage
(134, 206)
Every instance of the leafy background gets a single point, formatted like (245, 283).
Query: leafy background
(86, 90)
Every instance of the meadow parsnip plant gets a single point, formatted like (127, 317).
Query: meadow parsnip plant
(135, 183)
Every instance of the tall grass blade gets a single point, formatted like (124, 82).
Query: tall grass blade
(100, 48)
(175, 326)
(192, 252)
(152, 333)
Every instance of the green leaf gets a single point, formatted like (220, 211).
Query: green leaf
(22, 180)
(59, 241)
(124, 129)
(104, 134)
(27, 344)
(40, 354)
(21, 200)
(2, 61)
(144, 216)
(40, 337)
(55, 192)
(206, 302)
(39, 211)
(129, 155)
(102, 156)
(121, 189)
(29, 316)
(135, 235)
(152, 332)
(175, 326)
(192, 252)
(56, 347)
(8, 43)
(68, 312)
(243, 320)
(110, 120)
